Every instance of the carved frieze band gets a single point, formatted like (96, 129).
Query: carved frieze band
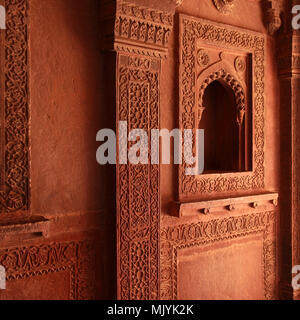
(193, 30)
(77, 257)
(14, 194)
(138, 194)
(142, 30)
(203, 233)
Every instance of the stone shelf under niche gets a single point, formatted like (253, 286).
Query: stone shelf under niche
(264, 201)
(24, 229)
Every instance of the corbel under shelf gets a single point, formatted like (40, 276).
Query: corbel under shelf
(187, 209)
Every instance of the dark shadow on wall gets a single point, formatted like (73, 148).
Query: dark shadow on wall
(83, 19)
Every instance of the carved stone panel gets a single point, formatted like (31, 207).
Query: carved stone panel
(138, 194)
(14, 110)
(219, 243)
(211, 51)
(65, 270)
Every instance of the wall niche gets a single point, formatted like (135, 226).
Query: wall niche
(225, 138)
(221, 91)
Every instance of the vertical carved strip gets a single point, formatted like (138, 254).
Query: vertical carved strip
(140, 37)
(15, 193)
(138, 185)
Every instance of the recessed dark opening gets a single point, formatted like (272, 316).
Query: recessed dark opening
(225, 145)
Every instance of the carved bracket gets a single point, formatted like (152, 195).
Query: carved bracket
(272, 12)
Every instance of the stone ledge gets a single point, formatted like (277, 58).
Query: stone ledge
(188, 209)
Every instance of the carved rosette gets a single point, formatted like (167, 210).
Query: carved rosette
(202, 58)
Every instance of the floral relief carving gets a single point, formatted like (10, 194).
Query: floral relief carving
(239, 64)
(14, 195)
(138, 185)
(197, 235)
(192, 32)
(76, 257)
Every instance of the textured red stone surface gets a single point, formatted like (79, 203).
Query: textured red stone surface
(72, 229)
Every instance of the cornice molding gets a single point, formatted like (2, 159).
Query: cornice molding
(130, 26)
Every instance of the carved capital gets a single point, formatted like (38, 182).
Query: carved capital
(133, 27)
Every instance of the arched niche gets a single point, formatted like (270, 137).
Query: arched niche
(222, 113)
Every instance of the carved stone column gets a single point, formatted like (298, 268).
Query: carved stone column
(289, 76)
(138, 36)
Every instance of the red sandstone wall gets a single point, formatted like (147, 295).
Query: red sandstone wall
(228, 269)
(67, 185)
(246, 14)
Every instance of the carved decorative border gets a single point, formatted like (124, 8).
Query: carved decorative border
(15, 193)
(137, 29)
(192, 30)
(203, 233)
(138, 195)
(77, 257)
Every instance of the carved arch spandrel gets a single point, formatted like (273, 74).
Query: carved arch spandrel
(226, 78)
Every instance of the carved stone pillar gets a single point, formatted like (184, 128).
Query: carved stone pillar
(138, 37)
(289, 76)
